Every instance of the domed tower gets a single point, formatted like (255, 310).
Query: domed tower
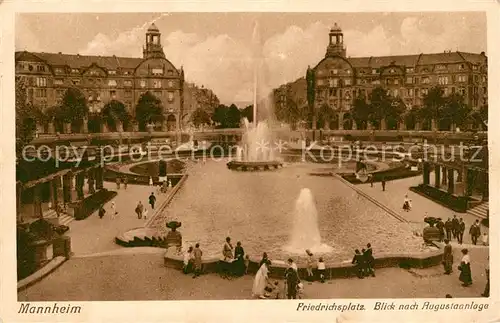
(336, 44)
(153, 48)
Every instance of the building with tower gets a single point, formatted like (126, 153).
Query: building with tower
(338, 79)
(104, 78)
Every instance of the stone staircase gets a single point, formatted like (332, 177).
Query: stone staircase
(480, 211)
(63, 219)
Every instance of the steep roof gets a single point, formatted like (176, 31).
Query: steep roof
(82, 61)
(419, 59)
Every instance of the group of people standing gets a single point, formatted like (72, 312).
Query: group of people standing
(192, 260)
(120, 180)
(364, 262)
(455, 228)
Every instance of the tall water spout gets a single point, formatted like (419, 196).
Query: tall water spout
(305, 232)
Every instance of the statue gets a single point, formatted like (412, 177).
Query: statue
(174, 237)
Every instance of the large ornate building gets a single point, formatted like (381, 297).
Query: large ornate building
(106, 78)
(337, 79)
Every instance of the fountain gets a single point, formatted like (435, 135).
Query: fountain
(305, 233)
(255, 151)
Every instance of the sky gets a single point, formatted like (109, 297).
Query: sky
(218, 50)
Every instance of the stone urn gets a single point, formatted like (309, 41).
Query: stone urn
(431, 233)
(174, 237)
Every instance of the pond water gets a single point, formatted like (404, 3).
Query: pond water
(257, 208)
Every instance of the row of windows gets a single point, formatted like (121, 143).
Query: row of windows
(393, 70)
(127, 94)
(157, 84)
(442, 80)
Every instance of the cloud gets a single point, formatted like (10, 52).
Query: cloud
(225, 64)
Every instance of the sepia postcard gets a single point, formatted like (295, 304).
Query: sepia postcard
(249, 161)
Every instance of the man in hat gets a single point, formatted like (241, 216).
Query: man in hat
(197, 253)
(475, 231)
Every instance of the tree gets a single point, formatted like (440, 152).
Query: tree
(115, 111)
(219, 115)
(361, 111)
(200, 117)
(455, 111)
(73, 107)
(434, 104)
(289, 112)
(148, 110)
(25, 124)
(233, 117)
(325, 115)
(381, 106)
(248, 113)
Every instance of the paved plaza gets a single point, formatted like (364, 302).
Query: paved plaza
(95, 235)
(102, 270)
(142, 276)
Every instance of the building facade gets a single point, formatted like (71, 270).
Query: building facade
(104, 78)
(338, 79)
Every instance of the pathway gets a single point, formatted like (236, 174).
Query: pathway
(393, 198)
(95, 235)
(142, 276)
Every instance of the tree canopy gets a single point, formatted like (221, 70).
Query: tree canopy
(115, 111)
(73, 107)
(445, 110)
(227, 117)
(149, 109)
(200, 117)
(25, 124)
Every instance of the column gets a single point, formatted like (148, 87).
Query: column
(341, 121)
(467, 176)
(383, 124)
(69, 192)
(401, 126)
(67, 127)
(354, 125)
(91, 181)
(85, 125)
(53, 193)
(426, 173)
(80, 181)
(369, 125)
(418, 126)
(445, 175)
(459, 176)
(99, 172)
(486, 187)
(104, 127)
(451, 180)
(37, 203)
(164, 126)
(51, 128)
(433, 125)
(437, 175)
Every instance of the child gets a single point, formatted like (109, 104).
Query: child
(145, 215)
(484, 239)
(310, 264)
(321, 269)
(247, 263)
(275, 294)
(300, 291)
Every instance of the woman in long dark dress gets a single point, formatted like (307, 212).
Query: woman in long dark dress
(239, 263)
(465, 272)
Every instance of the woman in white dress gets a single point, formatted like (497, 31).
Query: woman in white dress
(260, 281)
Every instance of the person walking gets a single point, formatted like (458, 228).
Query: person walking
(455, 226)
(197, 253)
(261, 280)
(448, 227)
(475, 231)
(150, 181)
(461, 230)
(152, 200)
(486, 292)
(125, 182)
(101, 212)
(447, 258)
(292, 280)
(118, 181)
(440, 226)
(369, 260)
(383, 184)
(370, 177)
(139, 209)
(114, 213)
(310, 264)
(465, 271)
